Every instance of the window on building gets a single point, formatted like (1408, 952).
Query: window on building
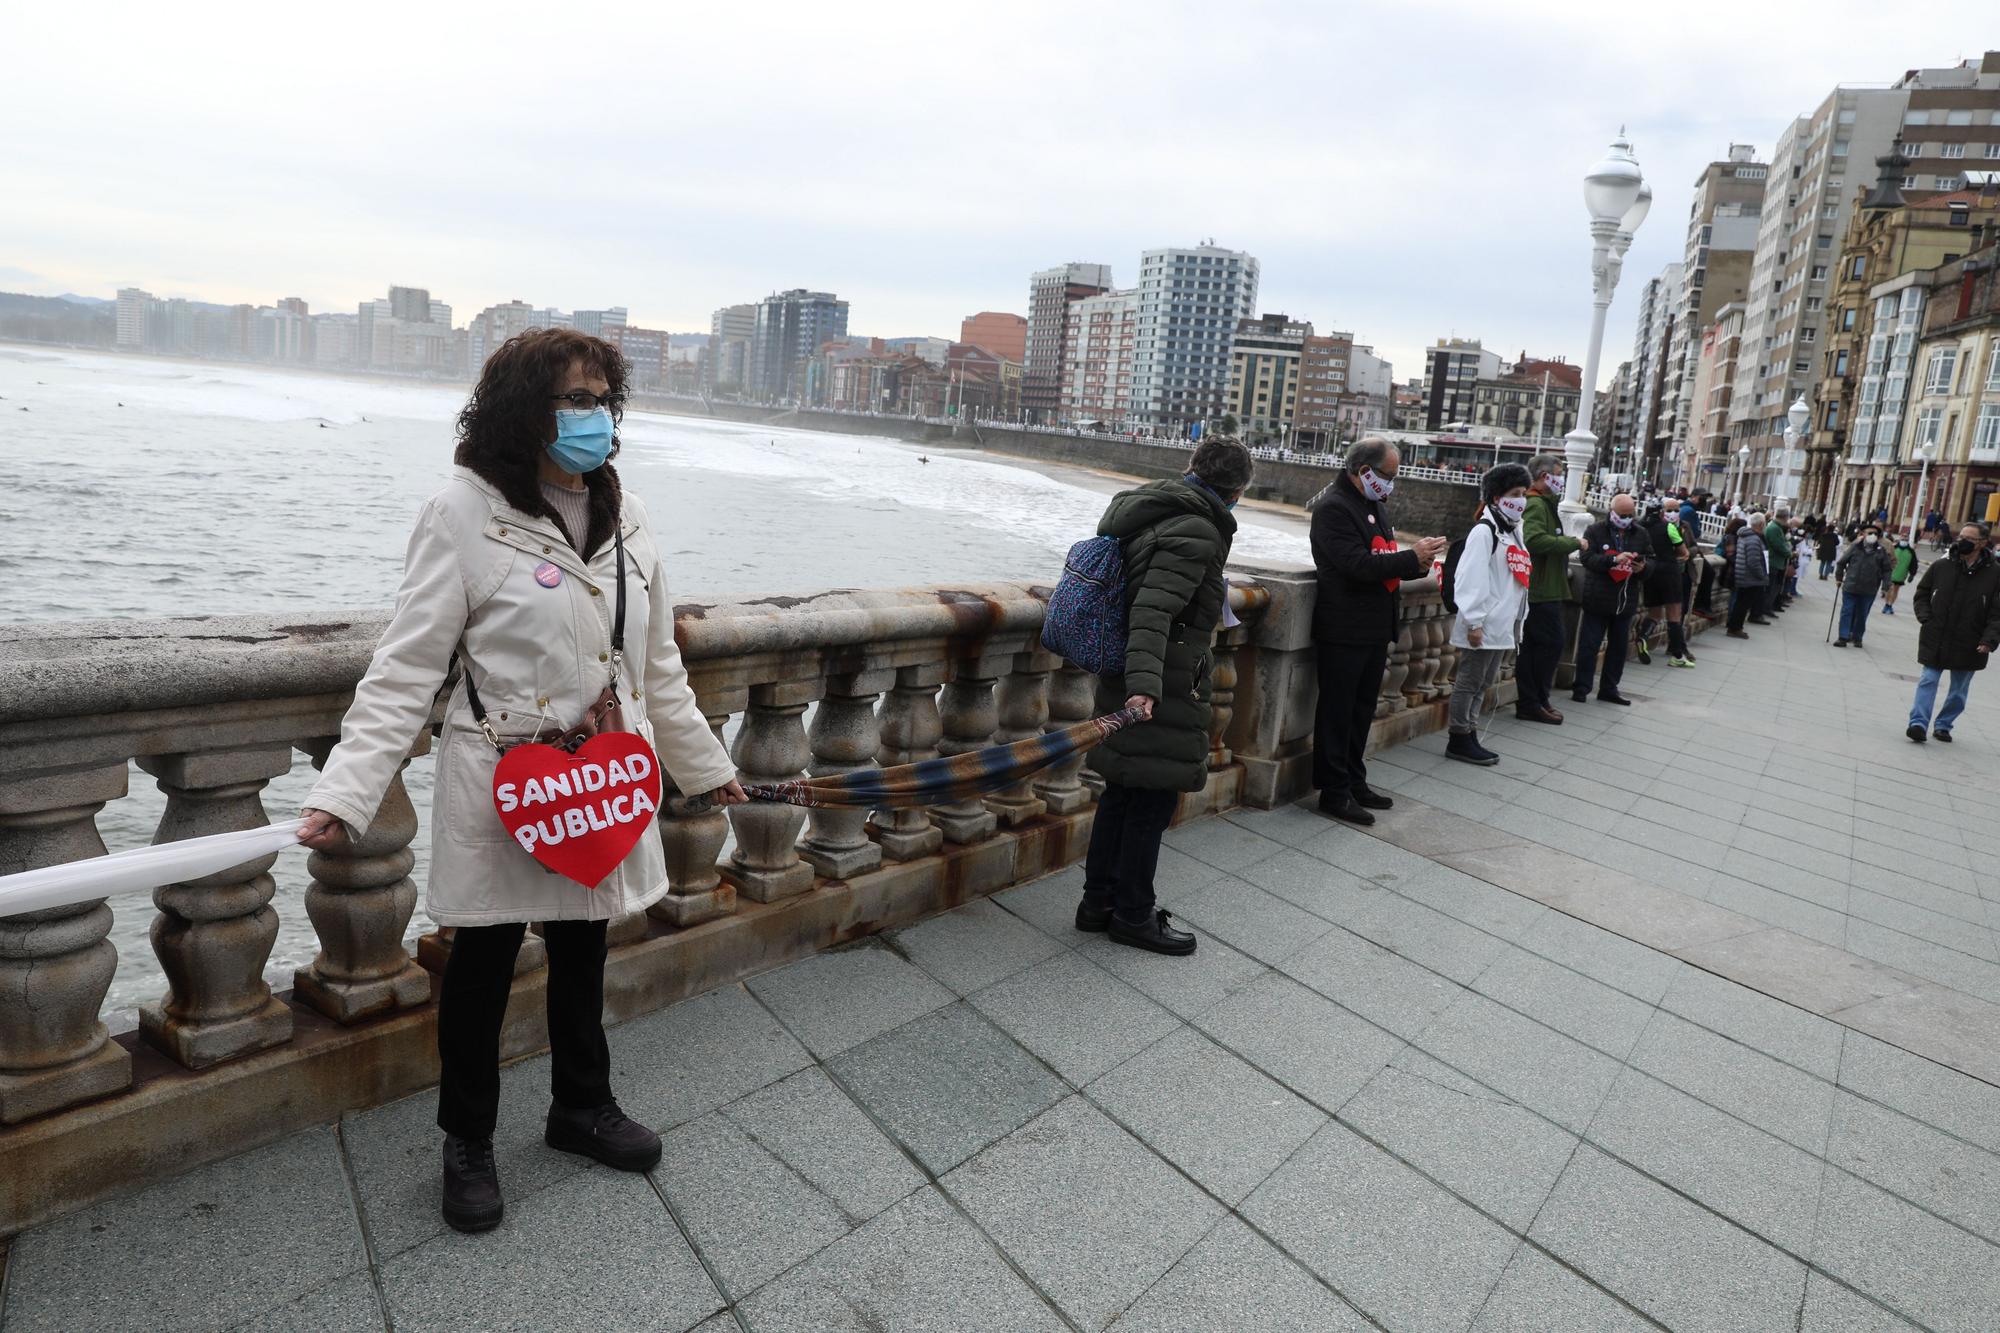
(1949, 183)
(1938, 372)
(1917, 118)
(1993, 369)
(1951, 150)
(1824, 242)
(1912, 182)
(1847, 319)
(1930, 424)
(1986, 431)
(1812, 304)
(1840, 362)
(1831, 418)
(1819, 273)
(1963, 117)
(1993, 150)
(1858, 266)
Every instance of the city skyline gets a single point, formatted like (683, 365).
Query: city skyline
(1357, 180)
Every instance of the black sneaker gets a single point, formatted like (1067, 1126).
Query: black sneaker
(1645, 653)
(1613, 698)
(1343, 806)
(1369, 799)
(1944, 736)
(1154, 934)
(1465, 747)
(1840, 643)
(1093, 920)
(604, 1133)
(1915, 733)
(471, 1185)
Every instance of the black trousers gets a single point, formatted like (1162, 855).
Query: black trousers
(1613, 632)
(473, 1002)
(1350, 680)
(1541, 653)
(1125, 850)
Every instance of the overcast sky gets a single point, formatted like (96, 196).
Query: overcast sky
(1406, 173)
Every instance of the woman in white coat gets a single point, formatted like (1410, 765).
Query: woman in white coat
(545, 581)
(1490, 585)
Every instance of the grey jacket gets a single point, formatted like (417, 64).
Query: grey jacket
(1862, 569)
(1753, 560)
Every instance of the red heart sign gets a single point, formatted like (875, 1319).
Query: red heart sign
(579, 814)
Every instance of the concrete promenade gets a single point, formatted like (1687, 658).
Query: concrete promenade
(1687, 1015)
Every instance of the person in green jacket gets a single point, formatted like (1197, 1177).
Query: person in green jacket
(1780, 550)
(1542, 635)
(1176, 537)
(1903, 567)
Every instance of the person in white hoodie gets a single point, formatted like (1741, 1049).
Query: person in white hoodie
(1490, 587)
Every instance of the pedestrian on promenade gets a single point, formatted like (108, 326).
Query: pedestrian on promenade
(1615, 566)
(1903, 569)
(1778, 547)
(1958, 610)
(1354, 621)
(1750, 566)
(1665, 588)
(1828, 543)
(1176, 536)
(1863, 568)
(545, 581)
(1490, 586)
(1543, 634)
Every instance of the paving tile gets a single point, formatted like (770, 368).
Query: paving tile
(1207, 1112)
(1359, 853)
(1421, 934)
(1951, 967)
(1929, 1168)
(919, 1266)
(1538, 1295)
(1599, 954)
(1682, 1265)
(1049, 903)
(1463, 897)
(1800, 971)
(1749, 1085)
(1250, 920)
(1308, 882)
(1289, 824)
(1188, 984)
(1234, 1281)
(1938, 1022)
(1488, 1150)
(1541, 870)
(1087, 1213)
(692, 1057)
(350, 1305)
(594, 1251)
(175, 1254)
(948, 1084)
(1298, 1036)
(1828, 925)
(974, 946)
(1399, 1248)
(1760, 1181)
(835, 1000)
(1933, 1093)
(1383, 987)
(1222, 843)
(1567, 1001)
(812, 1127)
(1074, 1015)
(1832, 1308)
(1926, 1269)
(751, 1215)
(1952, 932)
(1519, 1058)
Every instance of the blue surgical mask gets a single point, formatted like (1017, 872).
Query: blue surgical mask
(583, 439)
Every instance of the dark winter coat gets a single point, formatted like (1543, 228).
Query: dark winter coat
(1753, 561)
(1359, 566)
(1959, 609)
(1828, 543)
(1176, 537)
(1602, 594)
(1663, 576)
(1862, 569)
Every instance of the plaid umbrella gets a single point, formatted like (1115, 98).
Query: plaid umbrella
(944, 780)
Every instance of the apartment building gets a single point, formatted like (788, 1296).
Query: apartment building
(1715, 271)
(1045, 378)
(1264, 376)
(1099, 335)
(1190, 301)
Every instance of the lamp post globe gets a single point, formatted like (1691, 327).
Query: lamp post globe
(1742, 475)
(1798, 414)
(1611, 188)
(1617, 197)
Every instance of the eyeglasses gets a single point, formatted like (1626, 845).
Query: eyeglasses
(584, 402)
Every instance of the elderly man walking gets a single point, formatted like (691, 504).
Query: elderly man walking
(1861, 570)
(1354, 622)
(1548, 590)
(1615, 566)
(1958, 610)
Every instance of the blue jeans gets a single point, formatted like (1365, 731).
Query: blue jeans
(1825, 568)
(1854, 611)
(1954, 699)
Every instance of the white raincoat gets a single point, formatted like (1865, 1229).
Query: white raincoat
(540, 655)
(1490, 585)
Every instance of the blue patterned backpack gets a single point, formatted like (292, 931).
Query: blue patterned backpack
(1085, 622)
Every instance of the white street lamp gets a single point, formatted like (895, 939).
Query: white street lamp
(1796, 417)
(1925, 454)
(1742, 476)
(1616, 193)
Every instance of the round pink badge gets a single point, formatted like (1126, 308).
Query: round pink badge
(547, 575)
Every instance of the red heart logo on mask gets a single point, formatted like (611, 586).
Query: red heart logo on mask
(579, 814)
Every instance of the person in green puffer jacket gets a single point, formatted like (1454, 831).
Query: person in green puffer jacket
(1176, 537)
(1544, 634)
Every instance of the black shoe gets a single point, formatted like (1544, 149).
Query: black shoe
(1548, 715)
(1369, 799)
(1465, 747)
(1092, 919)
(1645, 653)
(1759, 620)
(1343, 806)
(603, 1133)
(1613, 698)
(1579, 696)
(1915, 733)
(1944, 736)
(1154, 934)
(1734, 634)
(471, 1185)
(1840, 643)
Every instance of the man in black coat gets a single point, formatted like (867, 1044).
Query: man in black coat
(1354, 621)
(1958, 610)
(1615, 562)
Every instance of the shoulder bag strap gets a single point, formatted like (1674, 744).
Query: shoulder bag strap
(617, 646)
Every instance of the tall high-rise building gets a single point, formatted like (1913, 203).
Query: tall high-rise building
(1264, 379)
(491, 327)
(1046, 383)
(412, 305)
(1453, 368)
(1190, 300)
(334, 339)
(133, 305)
(1096, 360)
(441, 313)
(1002, 334)
(1324, 363)
(790, 327)
(725, 363)
(1715, 270)
(595, 322)
(1658, 303)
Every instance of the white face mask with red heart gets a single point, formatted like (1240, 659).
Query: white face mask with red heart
(1374, 487)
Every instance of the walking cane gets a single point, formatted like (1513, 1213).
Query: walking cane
(1834, 611)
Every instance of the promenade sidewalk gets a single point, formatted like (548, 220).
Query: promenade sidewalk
(1664, 1022)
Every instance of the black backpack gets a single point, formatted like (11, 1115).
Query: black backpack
(1449, 590)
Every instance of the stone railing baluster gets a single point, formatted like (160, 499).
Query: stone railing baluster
(693, 840)
(56, 964)
(968, 713)
(1222, 697)
(910, 731)
(772, 747)
(845, 736)
(1390, 699)
(1022, 707)
(214, 934)
(360, 902)
(1072, 693)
